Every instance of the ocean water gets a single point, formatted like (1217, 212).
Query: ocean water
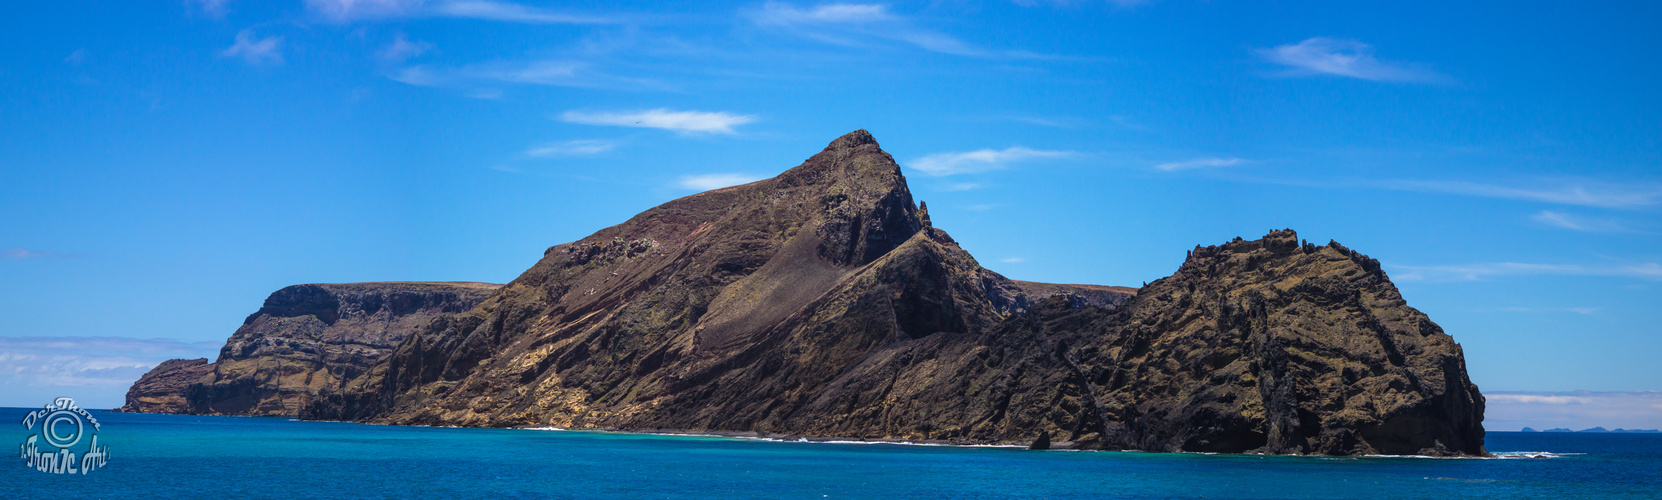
(174, 456)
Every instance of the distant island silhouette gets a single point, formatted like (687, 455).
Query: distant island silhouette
(1595, 429)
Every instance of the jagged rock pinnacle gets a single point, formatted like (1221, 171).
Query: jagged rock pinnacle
(853, 139)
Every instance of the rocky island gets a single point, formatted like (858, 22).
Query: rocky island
(304, 340)
(824, 303)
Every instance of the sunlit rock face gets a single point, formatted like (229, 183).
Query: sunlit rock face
(824, 303)
(304, 340)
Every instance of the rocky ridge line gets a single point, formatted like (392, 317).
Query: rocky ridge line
(824, 303)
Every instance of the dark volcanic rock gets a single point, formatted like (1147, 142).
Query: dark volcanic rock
(162, 389)
(747, 308)
(1017, 296)
(304, 340)
(823, 303)
(1268, 346)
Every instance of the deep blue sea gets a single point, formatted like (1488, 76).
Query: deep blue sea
(172, 456)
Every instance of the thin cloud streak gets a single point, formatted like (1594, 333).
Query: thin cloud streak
(342, 11)
(1589, 195)
(509, 12)
(1044, 122)
(1482, 271)
(345, 11)
(1569, 191)
(1577, 223)
(683, 122)
(1341, 57)
(980, 160)
(571, 148)
(255, 51)
(402, 49)
(780, 14)
(213, 8)
(714, 181)
(557, 73)
(24, 253)
(1198, 163)
(852, 24)
(1577, 310)
(539, 73)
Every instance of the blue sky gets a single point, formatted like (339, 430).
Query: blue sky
(166, 165)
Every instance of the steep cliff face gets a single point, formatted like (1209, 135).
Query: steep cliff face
(822, 302)
(304, 339)
(162, 389)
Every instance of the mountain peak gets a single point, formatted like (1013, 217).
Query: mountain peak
(853, 139)
(810, 304)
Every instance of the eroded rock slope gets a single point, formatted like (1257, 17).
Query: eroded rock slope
(822, 302)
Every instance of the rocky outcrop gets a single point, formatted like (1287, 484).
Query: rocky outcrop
(1017, 296)
(1268, 346)
(162, 389)
(303, 340)
(823, 302)
(722, 310)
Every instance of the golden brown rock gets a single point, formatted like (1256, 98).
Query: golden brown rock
(304, 339)
(162, 389)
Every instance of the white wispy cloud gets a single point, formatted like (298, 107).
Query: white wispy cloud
(850, 24)
(1576, 410)
(510, 12)
(213, 8)
(684, 122)
(1565, 192)
(1577, 310)
(980, 160)
(1013, 260)
(254, 50)
(1579, 223)
(351, 10)
(24, 253)
(94, 370)
(1481, 271)
(714, 181)
(571, 148)
(1117, 3)
(402, 49)
(1208, 162)
(1342, 57)
(1044, 122)
(420, 76)
(342, 11)
(774, 13)
(560, 73)
(539, 73)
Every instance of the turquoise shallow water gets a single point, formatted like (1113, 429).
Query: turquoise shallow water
(171, 456)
